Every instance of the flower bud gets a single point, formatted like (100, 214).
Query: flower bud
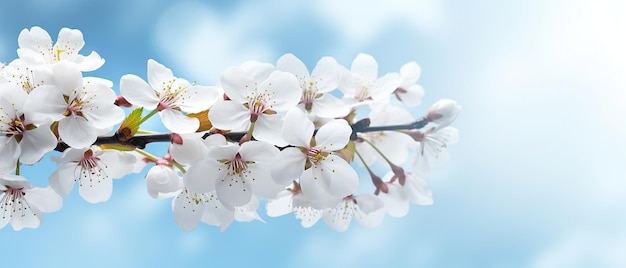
(443, 112)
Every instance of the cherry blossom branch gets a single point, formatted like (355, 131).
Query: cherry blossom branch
(140, 141)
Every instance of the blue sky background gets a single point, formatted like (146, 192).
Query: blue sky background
(537, 180)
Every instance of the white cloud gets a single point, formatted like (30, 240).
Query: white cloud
(203, 43)
(359, 21)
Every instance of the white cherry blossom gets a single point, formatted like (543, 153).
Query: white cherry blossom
(443, 112)
(433, 148)
(162, 181)
(316, 86)
(321, 172)
(393, 145)
(398, 197)
(20, 138)
(409, 92)
(292, 200)
(27, 77)
(254, 103)
(235, 172)
(93, 169)
(36, 48)
(22, 205)
(361, 84)
(82, 106)
(367, 209)
(171, 96)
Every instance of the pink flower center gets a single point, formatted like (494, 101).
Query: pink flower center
(237, 165)
(89, 169)
(74, 106)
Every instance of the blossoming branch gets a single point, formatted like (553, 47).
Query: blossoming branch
(272, 134)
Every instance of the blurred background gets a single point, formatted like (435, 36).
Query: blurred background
(537, 180)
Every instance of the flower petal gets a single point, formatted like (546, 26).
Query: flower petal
(188, 209)
(44, 199)
(365, 66)
(284, 90)
(233, 190)
(341, 179)
(288, 166)
(197, 98)
(77, 132)
(333, 135)
(159, 76)
(339, 217)
(297, 129)
(35, 143)
(138, 92)
(290, 63)
(202, 176)
(175, 121)
(62, 180)
(329, 106)
(9, 153)
(325, 74)
(229, 115)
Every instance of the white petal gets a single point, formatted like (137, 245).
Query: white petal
(215, 213)
(35, 143)
(62, 180)
(329, 106)
(191, 150)
(44, 199)
(236, 83)
(161, 180)
(198, 98)
(233, 190)
(77, 132)
(396, 202)
(118, 164)
(326, 74)
(89, 63)
(290, 63)
(341, 179)
(45, 104)
(67, 76)
(95, 189)
(283, 89)
(175, 121)
(267, 128)
(365, 66)
(9, 153)
(280, 205)
(339, 218)
(202, 176)
(70, 40)
(259, 71)
(159, 76)
(138, 92)
(24, 216)
(297, 129)
(413, 95)
(229, 115)
(385, 85)
(418, 191)
(372, 218)
(288, 166)
(308, 216)
(258, 152)
(260, 180)
(333, 135)
(410, 73)
(188, 209)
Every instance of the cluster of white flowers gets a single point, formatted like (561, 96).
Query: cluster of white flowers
(273, 132)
